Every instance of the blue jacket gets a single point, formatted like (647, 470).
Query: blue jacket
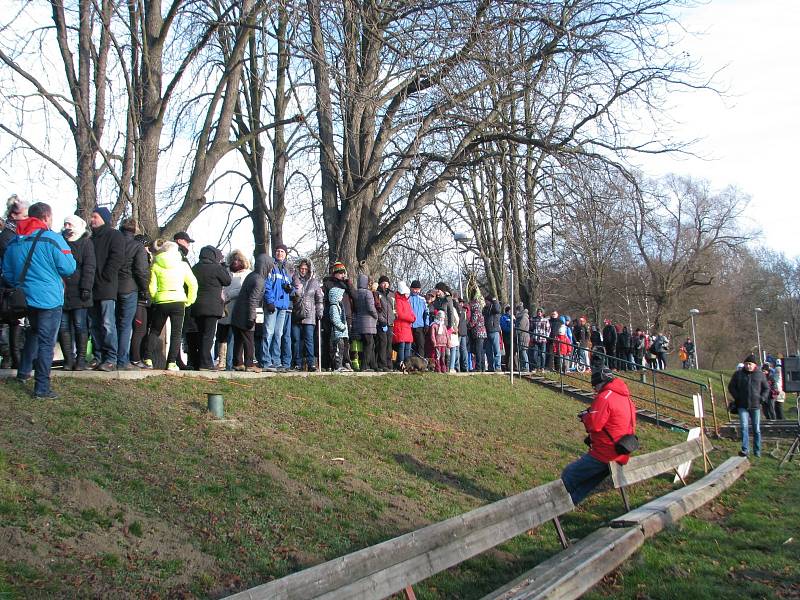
(420, 308)
(505, 323)
(273, 286)
(51, 261)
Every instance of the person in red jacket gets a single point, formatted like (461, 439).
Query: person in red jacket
(611, 416)
(404, 318)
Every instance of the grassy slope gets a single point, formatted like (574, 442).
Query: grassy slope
(130, 490)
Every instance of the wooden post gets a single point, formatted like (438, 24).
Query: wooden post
(561, 537)
(713, 409)
(625, 498)
(409, 591)
(724, 391)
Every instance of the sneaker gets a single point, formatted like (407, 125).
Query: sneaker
(297, 368)
(271, 369)
(343, 370)
(281, 369)
(128, 367)
(106, 367)
(239, 368)
(51, 395)
(347, 369)
(253, 369)
(742, 453)
(22, 378)
(452, 371)
(172, 367)
(148, 363)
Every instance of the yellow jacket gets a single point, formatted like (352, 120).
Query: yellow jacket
(168, 276)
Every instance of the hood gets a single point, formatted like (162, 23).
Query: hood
(169, 257)
(30, 225)
(78, 227)
(264, 264)
(618, 386)
(234, 254)
(335, 295)
(403, 289)
(310, 267)
(210, 254)
(363, 281)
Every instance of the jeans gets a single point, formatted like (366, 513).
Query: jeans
(37, 354)
(274, 327)
(523, 359)
(126, 310)
(745, 417)
(403, 351)
(103, 320)
(303, 342)
(582, 476)
(74, 320)
(453, 359)
(492, 349)
(463, 353)
(539, 355)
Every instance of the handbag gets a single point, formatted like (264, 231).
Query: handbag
(628, 443)
(13, 302)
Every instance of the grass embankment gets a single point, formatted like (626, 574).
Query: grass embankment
(129, 489)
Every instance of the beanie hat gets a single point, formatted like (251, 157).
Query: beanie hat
(282, 247)
(338, 267)
(600, 372)
(104, 213)
(382, 279)
(416, 285)
(751, 358)
(442, 287)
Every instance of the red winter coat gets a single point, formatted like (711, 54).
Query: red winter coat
(562, 347)
(404, 317)
(611, 411)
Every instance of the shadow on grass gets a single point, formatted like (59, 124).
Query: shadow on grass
(458, 482)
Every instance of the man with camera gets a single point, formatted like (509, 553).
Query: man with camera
(610, 422)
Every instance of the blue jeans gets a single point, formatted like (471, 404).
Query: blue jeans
(539, 355)
(463, 353)
(454, 352)
(126, 310)
(303, 342)
(492, 349)
(103, 319)
(286, 341)
(523, 359)
(74, 320)
(274, 326)
(745, 417)
(403, 351)
(37, 354)
(582, 476)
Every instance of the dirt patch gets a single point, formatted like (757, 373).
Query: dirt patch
(18, 546)
(82, 494)
(292, 487)
(713, 512)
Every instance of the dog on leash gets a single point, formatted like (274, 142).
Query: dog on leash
(416, 364)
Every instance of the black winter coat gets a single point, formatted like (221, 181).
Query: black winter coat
(580, 335)
(748, 389)
(251, 295)
(134, 274)
(109, 251)
(83, 276)
(610, 338)
(211, 278)
(491, 316)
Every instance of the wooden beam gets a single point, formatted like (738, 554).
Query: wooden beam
(649, 465)
(389, 567)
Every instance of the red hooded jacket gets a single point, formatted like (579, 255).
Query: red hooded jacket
(611, 415)
(403, 319)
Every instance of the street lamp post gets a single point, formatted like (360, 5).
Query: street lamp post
(692, 313)
(785, 338)
(758, 336)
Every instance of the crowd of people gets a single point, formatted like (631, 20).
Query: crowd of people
(224, 313)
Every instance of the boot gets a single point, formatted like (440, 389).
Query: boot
(222, 356)
(81, 341)
(65, 341)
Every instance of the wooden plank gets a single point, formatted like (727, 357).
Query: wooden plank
(668, 509)
(388, 567)
(572, 572)
(649, 465)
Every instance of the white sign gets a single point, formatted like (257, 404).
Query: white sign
(698, 406)
(684, 468)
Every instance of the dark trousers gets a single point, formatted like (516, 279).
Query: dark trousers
(140, 320)
(207, 328)
(477, 350)
(173, 311)
(383, 349)
(337, 350)
(243, 344)
(368, 352)
(418, 348)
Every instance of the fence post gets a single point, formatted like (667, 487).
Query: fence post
(655, 396)
(713, 408)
